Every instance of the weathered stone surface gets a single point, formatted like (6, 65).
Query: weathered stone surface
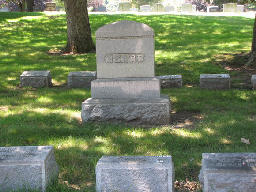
(125, 49)
(135, 174)
(145, 8)
(126, 88)
(169, 8)
(170, 81)
(253, 80)
(186, 7)
(158, 7)
(215, 81)
(81, 79)
(50, 6)
(124, 6)
(27, 167)
(230, 7)
(226, 172)
(213, 9)
(140, 111)
(36, 79)
(240, 8)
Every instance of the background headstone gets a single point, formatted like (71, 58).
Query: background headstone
(253, 80)
(36, 79)
(81, 79)
(230, 7)
(124, 6)
(158, 7)
(27, 167)
(170, 81)
(145, 8)
(226, 172)
(135, 174)
(214, 81)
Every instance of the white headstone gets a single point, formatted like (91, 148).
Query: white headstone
(125, 49)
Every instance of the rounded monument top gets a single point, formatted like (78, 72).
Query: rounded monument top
(124, 28)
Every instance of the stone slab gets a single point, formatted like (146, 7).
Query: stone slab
(215, 81)
(27, 167)
(186, 7)
(225, 172)
(240, 8)
(125, 49)
(213, 9)
(81, 79)
(36, 79)
(253, 80)
(140, 111)
(135, 173)
(126, 88)
(170, 81)
(230, 7)
(145, 8)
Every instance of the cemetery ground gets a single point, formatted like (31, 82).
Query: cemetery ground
(201, 120)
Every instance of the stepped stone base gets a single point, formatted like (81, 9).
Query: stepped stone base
(140, 111)
(126, 88)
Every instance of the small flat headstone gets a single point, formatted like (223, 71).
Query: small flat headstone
(226, 172)
(230, 7)
(27, 167)
(81, 79)
(215, 81)
(213, 9)
(186, 7)
(50, 6)
(36, 79)
(135, 173)
(253, 80)
(170, 81)
(145, 8)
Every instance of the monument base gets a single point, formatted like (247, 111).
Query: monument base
(155, 111)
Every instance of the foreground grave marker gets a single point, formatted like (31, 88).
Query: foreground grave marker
(134, 173)
(27, 167)
(226, 172)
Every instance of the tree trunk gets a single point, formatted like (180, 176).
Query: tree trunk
(30, 4)
(252, 58)
(78, 27)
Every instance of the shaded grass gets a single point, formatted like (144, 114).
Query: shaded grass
(184, 45)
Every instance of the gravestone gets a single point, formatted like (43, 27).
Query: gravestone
(186, 7)
(170, 81)
(81, 79)
(230, 7)
(124, 6)
(27, 167)
(158, 7)
(253, 80)
(4, 9)
(126, 89)
(36, 79)
(226, 172)
(169, 8)
(145, 8)
(214, 81)
(240, 8)
(135, 174)
(213, 9)
(134, 9)
(50, 6)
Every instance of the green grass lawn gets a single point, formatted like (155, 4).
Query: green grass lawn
(210, 121)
